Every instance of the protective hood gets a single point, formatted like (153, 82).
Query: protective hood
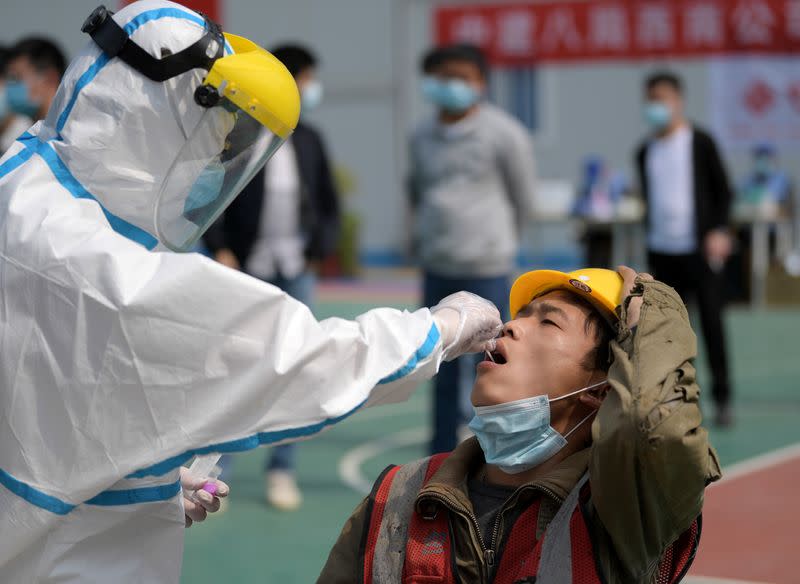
(120, 134)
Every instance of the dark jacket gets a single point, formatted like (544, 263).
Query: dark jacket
(712, 191)
(649, 462)
(238, 228)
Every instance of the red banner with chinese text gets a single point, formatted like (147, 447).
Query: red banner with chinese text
(525, 33)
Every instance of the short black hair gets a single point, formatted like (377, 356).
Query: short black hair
(429, 61)
(4, 53)
(460, 52)
(665, 77)
(297, 58)
(43, 54)
(596, 324)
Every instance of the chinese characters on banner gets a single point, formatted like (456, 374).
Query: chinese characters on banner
(755, 99)
(527, 33)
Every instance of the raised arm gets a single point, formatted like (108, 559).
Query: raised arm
(651, 459)
(171, 355)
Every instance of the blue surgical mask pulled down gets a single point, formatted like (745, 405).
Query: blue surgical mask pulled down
(452, 95)
(657, 115)
(517, 436)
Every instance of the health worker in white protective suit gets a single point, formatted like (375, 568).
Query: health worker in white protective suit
(121, 360)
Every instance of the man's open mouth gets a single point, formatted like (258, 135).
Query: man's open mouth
(497, 357)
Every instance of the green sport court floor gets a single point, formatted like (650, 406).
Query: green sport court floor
(750, 522)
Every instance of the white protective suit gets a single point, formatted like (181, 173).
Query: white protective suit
(119, 361)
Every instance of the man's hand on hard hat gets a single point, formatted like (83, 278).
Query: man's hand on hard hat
(208, 502)
(467, 323)
(628, 284)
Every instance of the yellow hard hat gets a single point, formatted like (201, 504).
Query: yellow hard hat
(259, 84)
(601, 287)
(251, 78)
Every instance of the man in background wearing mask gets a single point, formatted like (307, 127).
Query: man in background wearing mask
(11, 125)
(282, 224)
(35, 68)
(589, 462)
(472, 180)
(688, 198)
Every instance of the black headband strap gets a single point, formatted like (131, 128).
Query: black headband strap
(115, 42)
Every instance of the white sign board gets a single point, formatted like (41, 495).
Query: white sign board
(755, 99)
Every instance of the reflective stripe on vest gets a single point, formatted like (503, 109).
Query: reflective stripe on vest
(392, 503)
(409, 549)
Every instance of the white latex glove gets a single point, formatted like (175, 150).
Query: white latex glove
(467, 323)
(208, 503)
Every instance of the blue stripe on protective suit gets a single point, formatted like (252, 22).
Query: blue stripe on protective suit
(34, 496)
(82, 82)
(420, 355)
(136, 496)
(140, 19)
(241, 445)
(266, 438)
(117, 498)
(15, 161)
(69, 182)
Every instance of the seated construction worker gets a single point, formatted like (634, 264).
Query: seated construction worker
(588, 463)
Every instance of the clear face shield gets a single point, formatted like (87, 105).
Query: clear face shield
(251, 106)
(226, 149)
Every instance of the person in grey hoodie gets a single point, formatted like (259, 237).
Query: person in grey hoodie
(471, 184)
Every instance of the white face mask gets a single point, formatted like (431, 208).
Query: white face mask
(517, 436)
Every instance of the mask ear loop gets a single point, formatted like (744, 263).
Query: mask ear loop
(587, 388)
(577, 391)
(579, 424)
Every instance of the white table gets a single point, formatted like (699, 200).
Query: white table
(762, 220)
(627, 235)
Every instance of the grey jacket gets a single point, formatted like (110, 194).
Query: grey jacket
(472, 187)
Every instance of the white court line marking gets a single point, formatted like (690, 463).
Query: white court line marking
(350, 464)
(760, 462)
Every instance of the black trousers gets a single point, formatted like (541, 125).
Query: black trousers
(692, 278)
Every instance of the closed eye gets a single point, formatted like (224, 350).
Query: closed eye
(547, 321)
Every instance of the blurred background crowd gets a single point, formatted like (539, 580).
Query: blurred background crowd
(452, 144)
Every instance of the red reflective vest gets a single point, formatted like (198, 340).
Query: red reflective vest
(427, 556)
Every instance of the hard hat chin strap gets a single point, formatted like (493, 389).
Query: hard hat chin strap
(115, 42)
